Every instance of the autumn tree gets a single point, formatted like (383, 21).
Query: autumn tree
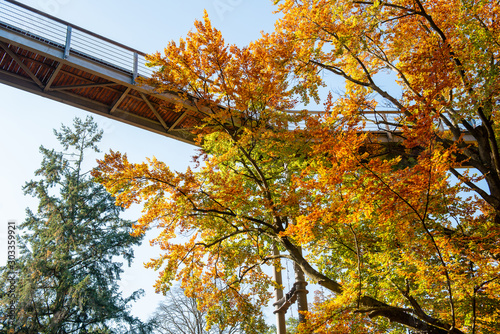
(68, 269)
(376, 220)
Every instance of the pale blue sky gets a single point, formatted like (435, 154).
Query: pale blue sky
(147, 25)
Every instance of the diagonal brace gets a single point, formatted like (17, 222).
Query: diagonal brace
(120, 99)
(153, 109)
(21, 64)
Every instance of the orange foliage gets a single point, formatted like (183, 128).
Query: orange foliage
(382, 226)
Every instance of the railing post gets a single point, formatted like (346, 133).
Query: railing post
(136, 65)
(68, 42)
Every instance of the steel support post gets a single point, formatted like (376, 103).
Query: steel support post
(278, 294)
(300, 284)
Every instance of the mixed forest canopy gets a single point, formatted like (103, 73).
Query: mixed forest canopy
(399, 233)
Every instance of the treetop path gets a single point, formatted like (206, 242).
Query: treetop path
(44, 55)
(47, 56)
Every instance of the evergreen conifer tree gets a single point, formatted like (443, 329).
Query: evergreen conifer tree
(68, 268)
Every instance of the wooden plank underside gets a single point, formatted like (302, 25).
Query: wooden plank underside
(101, 109)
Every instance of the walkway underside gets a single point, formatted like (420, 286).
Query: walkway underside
(39, 67)
(65, 81)
(74, 70)
(52, 58)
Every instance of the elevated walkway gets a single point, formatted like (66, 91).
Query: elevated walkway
(55, 59)
(44, 55)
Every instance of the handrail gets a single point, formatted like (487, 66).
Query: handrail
(73, 39)
(66, 23)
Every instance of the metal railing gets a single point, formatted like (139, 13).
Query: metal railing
(375, 121)
(72, 39)
(390, 121)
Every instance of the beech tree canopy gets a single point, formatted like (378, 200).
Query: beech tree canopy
(399, 233)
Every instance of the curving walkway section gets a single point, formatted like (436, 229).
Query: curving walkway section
(44, 55)
(52, 58)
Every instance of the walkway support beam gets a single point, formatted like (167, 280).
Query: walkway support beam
(278, 294)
